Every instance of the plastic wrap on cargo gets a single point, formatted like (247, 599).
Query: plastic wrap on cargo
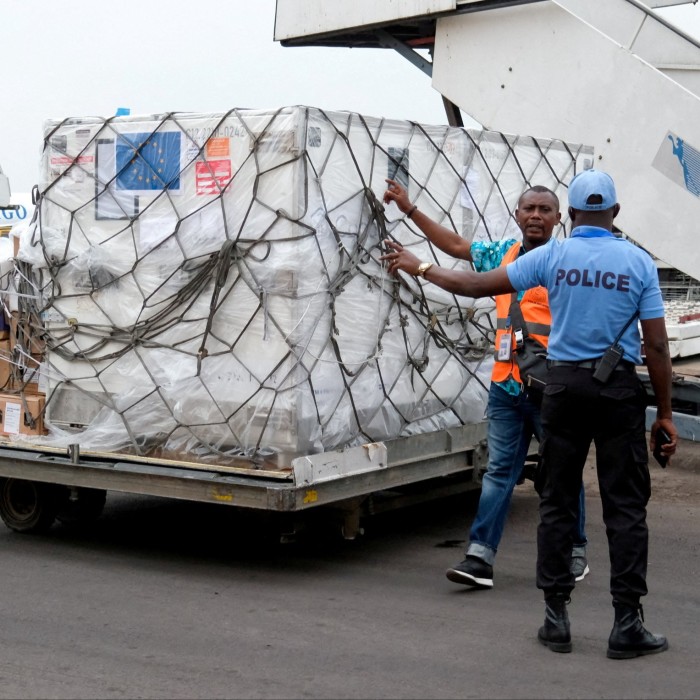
(211, 284)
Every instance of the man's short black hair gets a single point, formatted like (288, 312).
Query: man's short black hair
(540, 189)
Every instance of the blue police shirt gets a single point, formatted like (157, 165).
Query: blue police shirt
(595, 281)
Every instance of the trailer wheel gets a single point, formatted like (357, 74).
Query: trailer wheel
(29, 506)
(82, 506)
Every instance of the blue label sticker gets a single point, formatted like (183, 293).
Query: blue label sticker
(680, 162)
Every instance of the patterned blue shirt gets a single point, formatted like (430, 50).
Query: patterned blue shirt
(488, 255)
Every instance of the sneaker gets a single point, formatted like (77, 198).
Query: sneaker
(579, 563)
(472, 572)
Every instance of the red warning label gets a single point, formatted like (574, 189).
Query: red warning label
(212, 176)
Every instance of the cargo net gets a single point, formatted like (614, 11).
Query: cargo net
(210, 285)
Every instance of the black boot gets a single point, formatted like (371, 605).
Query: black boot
(556, 633)
(629, 637)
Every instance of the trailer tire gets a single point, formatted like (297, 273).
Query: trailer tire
(82, 506)
(29, 506)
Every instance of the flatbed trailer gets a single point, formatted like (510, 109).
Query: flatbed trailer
(40, 484)
(151, 327)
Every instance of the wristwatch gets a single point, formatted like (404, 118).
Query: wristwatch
(423, 268)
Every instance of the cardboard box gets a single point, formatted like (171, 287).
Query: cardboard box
(5, 365)
(22, 415)
(26, 331)
(25, 374)
(19, 372)
(4, 322)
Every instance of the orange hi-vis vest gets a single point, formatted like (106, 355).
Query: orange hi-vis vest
(535, 309)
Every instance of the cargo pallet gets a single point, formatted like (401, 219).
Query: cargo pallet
(39, 484)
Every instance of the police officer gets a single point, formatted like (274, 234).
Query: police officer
(599, 284)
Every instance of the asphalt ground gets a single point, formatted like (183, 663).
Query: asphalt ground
(168, 599)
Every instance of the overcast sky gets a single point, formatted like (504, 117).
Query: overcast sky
(87, 58)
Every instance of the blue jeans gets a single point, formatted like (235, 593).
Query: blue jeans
(512, 422)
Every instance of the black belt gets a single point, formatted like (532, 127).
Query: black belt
(588, 364)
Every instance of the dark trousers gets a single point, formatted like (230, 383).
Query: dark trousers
(577, 410)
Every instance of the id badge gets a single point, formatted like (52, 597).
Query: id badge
(504, 345)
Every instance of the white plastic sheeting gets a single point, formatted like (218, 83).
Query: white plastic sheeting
(209, 283)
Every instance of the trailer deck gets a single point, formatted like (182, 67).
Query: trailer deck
(38, 482)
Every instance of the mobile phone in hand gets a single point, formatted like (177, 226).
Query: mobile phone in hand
(662, 438)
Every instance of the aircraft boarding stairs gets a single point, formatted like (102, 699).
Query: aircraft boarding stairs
(611, 74)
